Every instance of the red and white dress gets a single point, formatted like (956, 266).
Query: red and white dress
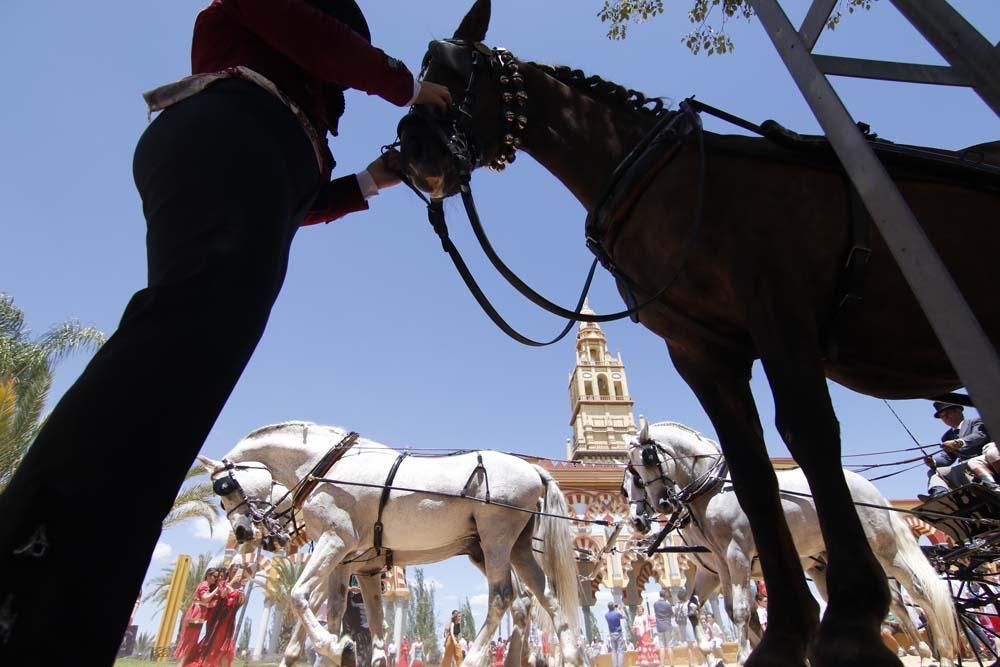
(646, 653)
(195, 617)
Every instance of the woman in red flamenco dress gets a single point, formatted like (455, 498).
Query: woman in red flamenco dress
(646, 653)
(202, 603)
(500, 653)
(218, 646)
(404, 653)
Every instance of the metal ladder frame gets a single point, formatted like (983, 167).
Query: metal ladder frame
(975, 63)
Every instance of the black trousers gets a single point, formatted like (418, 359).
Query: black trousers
(225, 177)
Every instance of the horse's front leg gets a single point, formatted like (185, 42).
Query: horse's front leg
(296, 645)
(371, 593)
(720, 379)
(326, 555)
(789, 345)
(738, 599)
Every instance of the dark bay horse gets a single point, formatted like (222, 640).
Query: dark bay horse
(760, 283)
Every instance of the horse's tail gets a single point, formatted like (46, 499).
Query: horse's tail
(559, 557)
(928, 590)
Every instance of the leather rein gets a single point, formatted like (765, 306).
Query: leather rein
(648, 157)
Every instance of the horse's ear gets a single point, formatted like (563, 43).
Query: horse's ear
(211, 465)
(643, 429)
(476, 22)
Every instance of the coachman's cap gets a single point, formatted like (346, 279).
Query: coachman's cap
(940, 406)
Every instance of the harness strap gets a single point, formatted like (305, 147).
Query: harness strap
(486, 478)
(851, 281)
(386, 490)
(311, 481)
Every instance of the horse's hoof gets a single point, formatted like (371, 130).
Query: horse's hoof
(349, 657)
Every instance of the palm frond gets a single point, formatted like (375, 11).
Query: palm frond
(197, 510)
(196, 470)
(68, 337)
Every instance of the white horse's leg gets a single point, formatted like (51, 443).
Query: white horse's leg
(296, 645)
(520, 611)
(531, 573)
(738, 600)
(371, 593)
(326, 555)
(496, 554)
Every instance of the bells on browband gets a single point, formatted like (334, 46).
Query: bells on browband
(515, 101)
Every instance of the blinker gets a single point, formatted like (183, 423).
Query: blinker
(225, 485)
(453, 54)
(649, 457)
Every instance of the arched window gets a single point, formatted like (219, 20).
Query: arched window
(588, 389)
(602, 386)
(619, 393)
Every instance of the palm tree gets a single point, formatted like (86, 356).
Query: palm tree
(194, 502)
(284, 574)
(26, 372)
(143, 643)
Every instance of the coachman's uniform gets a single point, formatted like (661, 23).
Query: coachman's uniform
(228, 171)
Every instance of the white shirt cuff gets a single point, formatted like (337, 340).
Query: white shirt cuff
(416, 93)
(367, 184)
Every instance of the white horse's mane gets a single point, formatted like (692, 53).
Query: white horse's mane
(271, 428)
(682, 427)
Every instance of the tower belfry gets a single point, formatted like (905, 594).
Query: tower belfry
(601, 407)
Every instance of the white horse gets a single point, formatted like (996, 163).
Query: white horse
(673, 468)
(442, 515)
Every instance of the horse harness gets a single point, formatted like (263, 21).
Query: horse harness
(705, 483)
(630, 180)
(269, 517)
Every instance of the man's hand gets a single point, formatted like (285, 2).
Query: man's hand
(951, 445)
(929, 462)
(434, 94)
(385, 170)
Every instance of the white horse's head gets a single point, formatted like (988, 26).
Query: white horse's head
(640, 513)
(248, 496)
(668, 459)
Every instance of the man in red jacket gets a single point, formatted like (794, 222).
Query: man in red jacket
(235, 162)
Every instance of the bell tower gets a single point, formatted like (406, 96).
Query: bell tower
(600, 403)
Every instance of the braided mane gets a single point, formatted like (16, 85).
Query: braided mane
(608, 92)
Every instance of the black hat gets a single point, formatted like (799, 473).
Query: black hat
(347, 12)
(941, 406)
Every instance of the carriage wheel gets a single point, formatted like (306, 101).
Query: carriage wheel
(976, 599)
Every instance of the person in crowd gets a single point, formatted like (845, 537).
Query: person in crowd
(712, 633)
(500, 652)
(890, 628)
(453, 653)
(417, 657)
(218, 647)
(616, 641)
(355, 624)
(404, 652)
(203, 601)
(642, 629)
(762, 611)
(684, 630)
(221, 212)
(965, 441)
(663, 611)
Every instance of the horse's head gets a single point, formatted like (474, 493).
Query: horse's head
(639, 513)
(440, 150)
(655, 469)
(248, 495)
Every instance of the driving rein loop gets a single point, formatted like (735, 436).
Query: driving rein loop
(475, 61)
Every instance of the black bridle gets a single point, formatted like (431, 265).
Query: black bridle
(675, 495)
(475, 62)
(262, 513)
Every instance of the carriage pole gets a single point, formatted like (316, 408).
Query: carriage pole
(969, 349)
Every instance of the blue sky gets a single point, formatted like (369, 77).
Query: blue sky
(373, 330)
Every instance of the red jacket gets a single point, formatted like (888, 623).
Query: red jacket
(301, 50)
